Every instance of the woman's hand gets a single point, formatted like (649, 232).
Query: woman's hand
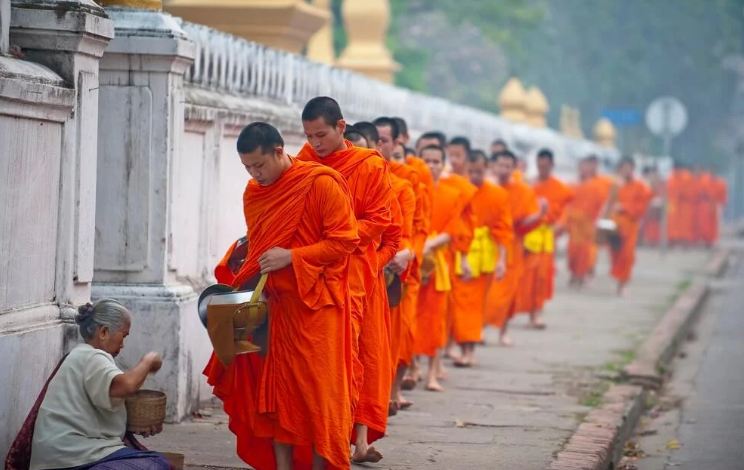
(154, 360)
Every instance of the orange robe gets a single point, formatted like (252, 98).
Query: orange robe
(633, 198)
(492, 219)
(448, 204)
(680, 193)
(300, 392)
(706, 209)
(581, 216)
(651, 231)
(412, 282)
(404, 215)
(368, 176)
(536, 286)
(500, 300)
(604, 182)
(721, 196)
(465, 228)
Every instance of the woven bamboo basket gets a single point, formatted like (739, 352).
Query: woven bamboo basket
(144, 410)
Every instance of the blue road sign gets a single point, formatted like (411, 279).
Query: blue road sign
(623, 117)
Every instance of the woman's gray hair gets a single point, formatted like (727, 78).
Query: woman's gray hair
(106, 312)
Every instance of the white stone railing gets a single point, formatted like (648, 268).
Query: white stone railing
(239, 67)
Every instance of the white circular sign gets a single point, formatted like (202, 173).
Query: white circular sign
(666, 116)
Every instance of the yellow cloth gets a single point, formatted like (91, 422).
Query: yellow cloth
(540, 240)
(442, 281)
(482, 254)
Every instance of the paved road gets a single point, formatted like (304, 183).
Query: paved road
(519, 405)
(700, 423)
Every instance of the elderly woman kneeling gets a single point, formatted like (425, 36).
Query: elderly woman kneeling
(82, 419)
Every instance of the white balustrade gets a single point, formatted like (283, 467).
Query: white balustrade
(226, 63)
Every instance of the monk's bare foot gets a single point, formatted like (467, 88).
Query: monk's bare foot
(442, 373)
(370, 455)
(506, 341)
(463, 362)
(537, 324)
(408, 383)
(434, 386)
(404, 404)
(621, 290)
(393, 408)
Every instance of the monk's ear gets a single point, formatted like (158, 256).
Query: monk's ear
(278, 152)
(341, 126)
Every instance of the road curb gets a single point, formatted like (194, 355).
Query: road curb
(598, 441)
(597, 444)
(718, 263)
(654, 356)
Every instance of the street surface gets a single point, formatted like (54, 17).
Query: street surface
(698, 419)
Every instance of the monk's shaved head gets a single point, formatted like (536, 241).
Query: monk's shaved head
(322, 107)
(368, 130)
(324, 125)
(403, 137)
(353, 135)
(388, 130)
(434, 157)
(259, 135)
(544, 164)
(261, 151)
(477, 167)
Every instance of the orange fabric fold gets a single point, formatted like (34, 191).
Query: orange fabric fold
(490, 208)
(299, 393)
(537, 285)
(632, 200)
(581, 216)
(368, 177)
(501, 294)
(448, 205)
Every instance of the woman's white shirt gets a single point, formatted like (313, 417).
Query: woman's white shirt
(78, 422)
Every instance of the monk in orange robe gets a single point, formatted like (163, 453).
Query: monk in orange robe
(580, 220)
(651, 226)
(292, 407)
(445, 238)
(721, 197)
(681, 196)
(604, 182)
(539, 269)
(410, 168)
(706, 209)
(458, 152)
(368, 177)
(526, 211)
(492, 233)
(633, 197)
(401, 262)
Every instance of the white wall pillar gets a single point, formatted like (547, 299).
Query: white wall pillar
(48, 118)
(140, 137)
(70, 42)
(4, 25)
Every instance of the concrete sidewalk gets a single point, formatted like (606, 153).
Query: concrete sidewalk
(519, 405)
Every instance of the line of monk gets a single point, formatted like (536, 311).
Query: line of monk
(379, 258)
(694, 203)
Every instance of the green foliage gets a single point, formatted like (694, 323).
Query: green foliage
(592, 54)
(339, 33)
